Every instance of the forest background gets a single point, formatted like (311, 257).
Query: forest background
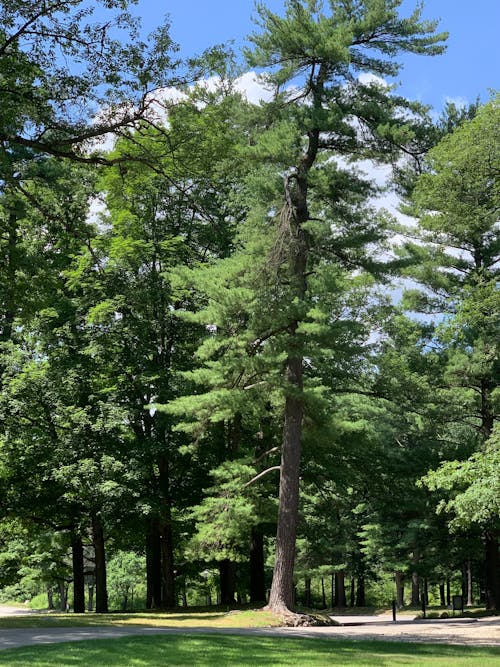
(199, 291)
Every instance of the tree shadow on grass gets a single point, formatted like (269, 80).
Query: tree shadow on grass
(223, 650)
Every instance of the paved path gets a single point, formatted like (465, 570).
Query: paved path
(7, 610)
(485, 632)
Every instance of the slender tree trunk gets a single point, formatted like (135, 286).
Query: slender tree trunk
(168, 598)
(470, 597)
(63, 594)
(50, 598)
(425, 591)
(101, 590)
(352, 596)
(333, 600)
(153, 564)
(90, 597)
(400, 593)
(340, 587)
(323, 593)
(227, 572)
(361, 593)
(492, 568)
(448, 592)
(442, 599)
(415, 589)
(257, 573)
(307, 592)
(78, 574)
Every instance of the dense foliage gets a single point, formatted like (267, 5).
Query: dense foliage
(205, 373)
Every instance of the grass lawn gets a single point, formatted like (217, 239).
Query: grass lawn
(250, 618)
(217, 651)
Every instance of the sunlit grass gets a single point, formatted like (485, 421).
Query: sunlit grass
(250, 618)
(224, 650)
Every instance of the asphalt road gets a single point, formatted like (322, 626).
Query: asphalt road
(485, 632)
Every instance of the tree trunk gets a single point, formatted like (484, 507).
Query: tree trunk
(333, 600)
(307, 591)
(294, 215)
(323, 593)
(470, 597)
(90, 597)
(153, 564)
(78, 574)
(50, 598)
(492, 567)
(340, 589)
(415, 589)
(442, 599)
(352, 596)
(281, 596)
(101, 590)
(400, 591)
(227, 572)
(63, 594)
(257, 573)
(168, 598)
(361, 593)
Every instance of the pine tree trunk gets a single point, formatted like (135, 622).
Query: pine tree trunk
(78, 574)
(491, 570)
(361, 593)
(415, 589)
(448, 592)
(90, 597)
(442, 599)
(470, 597)
(400, 593)
(50, 598)
(257, 573)
(227, 572)
(340, 588)
(63, 594)
(281, 596)
(295, 215)
(352, 596)
(307, 592)
(101, 590)
(168, 598)
(323, 593)
(153, 564)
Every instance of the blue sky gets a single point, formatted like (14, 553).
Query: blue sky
(470, 67)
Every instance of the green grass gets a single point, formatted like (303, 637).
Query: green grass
(221, 650)
(250, 618)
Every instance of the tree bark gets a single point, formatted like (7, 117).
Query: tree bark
(227, 573)
(101, 589)
(448, 592)
(257, 572)
(168, 598)
(415, 589)
(323, 593)
(400, 593)
(491, 570)
(361, 593)
(470, 597)
(307, 592)
(153, 564)
(340, 589)
(78, 574)
(442, 599)
(50, 598)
